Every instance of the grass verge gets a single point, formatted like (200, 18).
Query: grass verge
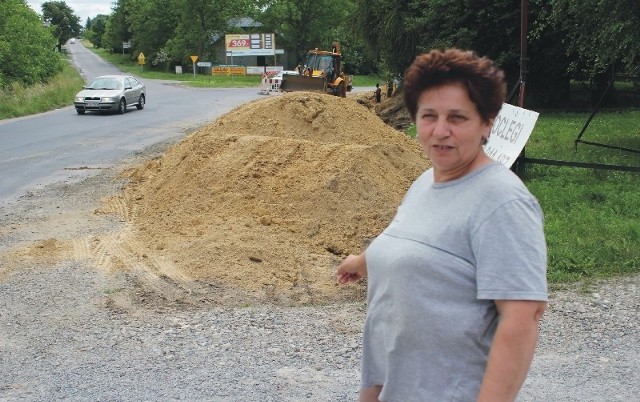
(592, 216)
(18, 100)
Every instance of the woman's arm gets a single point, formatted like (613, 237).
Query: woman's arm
(352, 269)
(512, 349)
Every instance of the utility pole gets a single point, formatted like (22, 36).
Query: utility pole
(519, 166)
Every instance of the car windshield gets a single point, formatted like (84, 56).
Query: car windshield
(105, 83)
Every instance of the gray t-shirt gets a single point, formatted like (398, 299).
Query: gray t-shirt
(433, 275)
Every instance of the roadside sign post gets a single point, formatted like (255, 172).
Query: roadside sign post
(193, 60)
(230, 53)
(141, 60)
(206, 64)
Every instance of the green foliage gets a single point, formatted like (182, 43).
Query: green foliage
(599, 33)
(18, 99)
(27, 48)
(305, 25)
(548, 79)
(152, 23)
(356, 57)
(116, 28)
(594, 40)
(300, 25)
(390, 28)
(172, 29)
(95, 29)
(200, 22)
(63, 22)
(567, 40)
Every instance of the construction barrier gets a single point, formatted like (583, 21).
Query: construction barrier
(270, 84)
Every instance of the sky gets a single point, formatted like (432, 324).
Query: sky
(82, 8)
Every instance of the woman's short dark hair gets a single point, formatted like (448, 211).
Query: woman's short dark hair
(484, 81)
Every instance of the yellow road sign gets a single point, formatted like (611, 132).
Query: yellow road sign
(194, 58)
(141, 58)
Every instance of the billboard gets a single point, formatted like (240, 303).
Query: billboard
(250, 44)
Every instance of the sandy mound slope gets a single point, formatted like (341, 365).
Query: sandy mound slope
(271, 196)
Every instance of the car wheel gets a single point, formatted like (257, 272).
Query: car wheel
(80, 111)
(140, 104)
(122, 106)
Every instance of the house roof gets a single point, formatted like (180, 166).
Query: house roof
(244, 22)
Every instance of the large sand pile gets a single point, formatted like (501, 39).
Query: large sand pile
(271, 196)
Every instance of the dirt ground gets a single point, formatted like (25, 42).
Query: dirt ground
(259, 206)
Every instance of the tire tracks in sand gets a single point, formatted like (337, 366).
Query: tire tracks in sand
(150, 275)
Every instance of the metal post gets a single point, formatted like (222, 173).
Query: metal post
(519, 165)
(523, 51)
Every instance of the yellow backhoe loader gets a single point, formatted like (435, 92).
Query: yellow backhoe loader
(321, 72)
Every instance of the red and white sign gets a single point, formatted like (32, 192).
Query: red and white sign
(250, 44)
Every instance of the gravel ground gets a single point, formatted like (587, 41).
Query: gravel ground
(69, 333)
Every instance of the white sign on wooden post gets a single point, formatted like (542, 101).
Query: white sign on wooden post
(509, 134)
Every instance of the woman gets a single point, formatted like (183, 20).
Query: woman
(457, 281)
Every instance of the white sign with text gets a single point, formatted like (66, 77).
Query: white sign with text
(510, 132)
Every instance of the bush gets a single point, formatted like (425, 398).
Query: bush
(28, 47)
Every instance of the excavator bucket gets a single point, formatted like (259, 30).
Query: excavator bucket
(292, 83)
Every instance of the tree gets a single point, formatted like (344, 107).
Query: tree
(356, 57)
(601, 36)
(200, 23)
(95, 28)
(62, 20)
(391, 29)
(116, 28)
(612, 35)
(301, 25)
(27, 46)
(152, 23)
(489, 27)
(548, 82)
(399, 30)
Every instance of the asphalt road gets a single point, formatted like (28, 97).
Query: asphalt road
(62, 145)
